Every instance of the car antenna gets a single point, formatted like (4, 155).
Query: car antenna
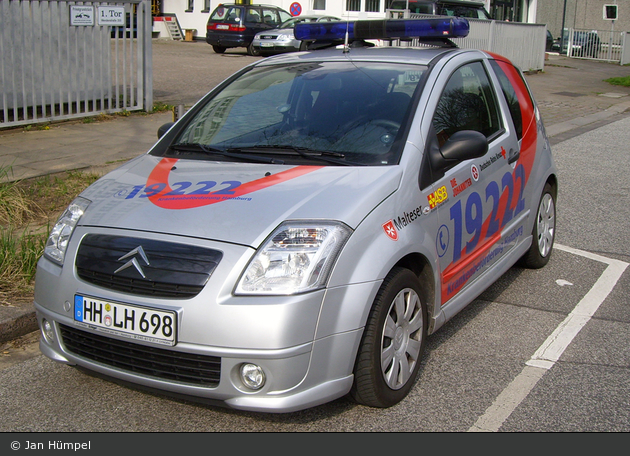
(346, 47)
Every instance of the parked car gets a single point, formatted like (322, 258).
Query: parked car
(235, 25)
(583, 44)
(283, 39)
(469, 9)
(549, 42)
(297, 234)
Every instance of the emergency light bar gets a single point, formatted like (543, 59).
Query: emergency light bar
(384, 29)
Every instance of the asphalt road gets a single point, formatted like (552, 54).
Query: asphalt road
(540, 351)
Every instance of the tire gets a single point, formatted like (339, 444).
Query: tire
(543, 232)
(251, 50)
(389, 356)
(303, 45)
(218, 49)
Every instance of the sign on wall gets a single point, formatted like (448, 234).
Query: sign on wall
(81, 15)
(111, 15)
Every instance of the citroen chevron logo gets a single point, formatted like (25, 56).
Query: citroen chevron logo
(134, 261)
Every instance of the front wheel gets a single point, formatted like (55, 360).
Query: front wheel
(391, 348)
(251, 50)
(543, 233)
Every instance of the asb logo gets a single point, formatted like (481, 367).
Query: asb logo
(437, 197)
(390, 230)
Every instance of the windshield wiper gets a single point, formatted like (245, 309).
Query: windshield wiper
(196, 147)
(337, 158)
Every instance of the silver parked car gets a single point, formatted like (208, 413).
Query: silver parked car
(283, 39)
(301, 230)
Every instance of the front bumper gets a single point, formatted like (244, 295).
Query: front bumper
(297, 377)
(275, 46)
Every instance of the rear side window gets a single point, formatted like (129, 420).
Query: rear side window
(467, 103)
(511, 98)
(227, 14)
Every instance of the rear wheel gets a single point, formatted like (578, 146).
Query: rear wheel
(218, 49)
(391, 349)
(543, 233)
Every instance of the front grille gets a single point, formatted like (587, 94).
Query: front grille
(159, 363)
(144, 266)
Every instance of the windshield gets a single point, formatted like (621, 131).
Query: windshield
(352, 111)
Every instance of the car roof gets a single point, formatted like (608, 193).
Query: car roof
(411, 55)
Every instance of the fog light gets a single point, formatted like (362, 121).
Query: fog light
(252, 376)
(47, 331)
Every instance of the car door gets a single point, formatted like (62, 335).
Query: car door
(474, 198)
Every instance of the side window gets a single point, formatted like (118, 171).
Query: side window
(253, 16)
(270, 17)
(511, 98)
(467, 103)
(284, 16)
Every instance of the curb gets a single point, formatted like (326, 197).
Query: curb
(24, 322)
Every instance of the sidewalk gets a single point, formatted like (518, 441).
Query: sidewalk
(570, 93)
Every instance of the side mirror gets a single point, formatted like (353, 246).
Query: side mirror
(164, 128)
(464, 145)
(460, 146)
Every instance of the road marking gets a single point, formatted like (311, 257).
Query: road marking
(550, 351)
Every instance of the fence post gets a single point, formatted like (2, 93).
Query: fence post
(147, 56)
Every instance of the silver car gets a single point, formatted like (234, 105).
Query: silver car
(283, 39)
(301, 230)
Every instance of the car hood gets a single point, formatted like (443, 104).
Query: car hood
(274, 32)
(232, 202)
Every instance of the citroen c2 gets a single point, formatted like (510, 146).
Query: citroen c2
(301, 230)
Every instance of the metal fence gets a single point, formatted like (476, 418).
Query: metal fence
(523, 44)
(64, 59)
(606, 45)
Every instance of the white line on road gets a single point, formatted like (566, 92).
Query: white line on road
(550, 351)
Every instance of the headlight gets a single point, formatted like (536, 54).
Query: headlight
(296, 258)
(285, 37)
(57, 243)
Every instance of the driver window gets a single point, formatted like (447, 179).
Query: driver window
(467, 103)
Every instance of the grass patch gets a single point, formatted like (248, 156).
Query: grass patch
(28, 210)
(161, 107)
(620, 81)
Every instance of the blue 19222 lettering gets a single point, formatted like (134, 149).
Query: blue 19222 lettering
(179, 189)
(474, 211)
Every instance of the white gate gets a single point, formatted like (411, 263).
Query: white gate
(63, 59)
(606, 45)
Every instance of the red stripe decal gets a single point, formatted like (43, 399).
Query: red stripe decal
(161, 172)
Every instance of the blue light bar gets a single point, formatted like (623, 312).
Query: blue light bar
(384, 29)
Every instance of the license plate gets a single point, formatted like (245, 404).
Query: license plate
(266, 45)
(134, 322)
(223, 27)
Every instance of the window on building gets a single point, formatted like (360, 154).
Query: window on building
(319, 5)
(353, 5)
(206, 6)
(191, 6)
(373, 6)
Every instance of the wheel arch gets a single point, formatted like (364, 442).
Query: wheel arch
(421, 267)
